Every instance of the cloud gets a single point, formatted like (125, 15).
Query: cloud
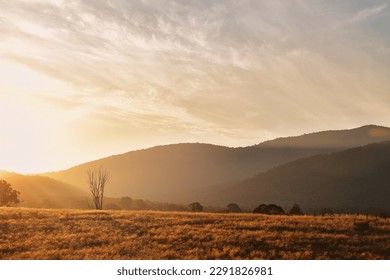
(368, 13)
(232, 72)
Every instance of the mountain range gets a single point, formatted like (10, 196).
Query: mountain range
(176, 172)
(312, 169)
(357, 178)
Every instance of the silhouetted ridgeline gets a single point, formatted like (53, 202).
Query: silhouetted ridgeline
(176, 173)
(337, 139)
(354, 179)
(313, 170)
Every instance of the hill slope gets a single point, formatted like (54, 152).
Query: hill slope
(333, 139)
(172, 172)
(40, 191)
(357, 178)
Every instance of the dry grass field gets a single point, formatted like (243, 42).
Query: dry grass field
(79, 234)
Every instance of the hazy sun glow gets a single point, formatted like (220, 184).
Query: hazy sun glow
(80, 80)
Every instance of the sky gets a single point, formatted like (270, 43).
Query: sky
(81, 80)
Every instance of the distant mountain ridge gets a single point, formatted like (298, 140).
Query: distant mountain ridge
(357, 178)
(176, 172)
(340, 139)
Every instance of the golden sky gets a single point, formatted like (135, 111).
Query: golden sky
(80, 80)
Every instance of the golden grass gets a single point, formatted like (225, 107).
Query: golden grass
(80, 234)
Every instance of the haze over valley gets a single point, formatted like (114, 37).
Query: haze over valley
(345, 170)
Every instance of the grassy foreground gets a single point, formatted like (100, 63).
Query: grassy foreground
(79, 234)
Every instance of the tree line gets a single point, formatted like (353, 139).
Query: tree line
(268, 209)
(99, 177)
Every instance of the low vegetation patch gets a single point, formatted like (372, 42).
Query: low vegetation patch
(82, 234)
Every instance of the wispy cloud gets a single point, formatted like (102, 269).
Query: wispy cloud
(368, 12)
(232, 72)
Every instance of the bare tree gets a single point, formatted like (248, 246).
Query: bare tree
(98, 178)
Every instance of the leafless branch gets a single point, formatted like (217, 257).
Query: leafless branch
(98, 178)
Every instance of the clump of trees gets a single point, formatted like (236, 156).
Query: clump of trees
(97, 179)
(233, 208)
(269, 209)
(126, 202)
(273, 209)
(296, 210)
(196, 207)
(8, 196)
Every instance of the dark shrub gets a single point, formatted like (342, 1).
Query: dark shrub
(270, 209)
(233, 208)
(196, 207)
(296, 210)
